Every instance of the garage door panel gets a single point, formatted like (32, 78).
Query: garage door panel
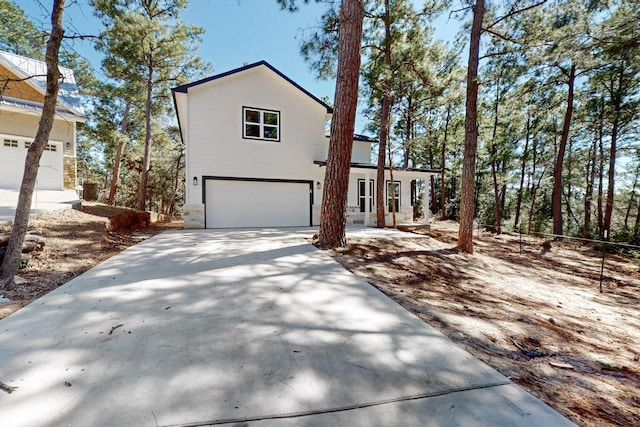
(233, 204)
(13, 159)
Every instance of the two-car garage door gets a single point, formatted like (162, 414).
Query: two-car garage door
(239, 203)
(13, 152)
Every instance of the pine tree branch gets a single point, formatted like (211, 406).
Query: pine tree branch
(501, 36)
(424, 81)
(82, 37)
(493, 54)
(515, 12)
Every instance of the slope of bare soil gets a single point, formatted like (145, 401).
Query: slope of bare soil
(75, 241)
(537, 316)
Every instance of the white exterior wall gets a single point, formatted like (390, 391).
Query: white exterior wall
(361, 152)
(26, 125)
(405, 213)
(214, 131)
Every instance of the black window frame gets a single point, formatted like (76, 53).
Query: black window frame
(11, 143)
(362, 196)
(262, 126)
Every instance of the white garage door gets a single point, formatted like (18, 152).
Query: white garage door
(12, 157)
(234, 204)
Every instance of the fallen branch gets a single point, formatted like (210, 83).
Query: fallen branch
(529, 353)
(9, 389)
(113, 328)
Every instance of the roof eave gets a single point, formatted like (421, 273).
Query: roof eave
(322, 163)
(185, 87)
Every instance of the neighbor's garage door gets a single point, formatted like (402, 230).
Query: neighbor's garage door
(12, 157)
(236, 203)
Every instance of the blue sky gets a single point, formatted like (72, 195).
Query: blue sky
(237, 32)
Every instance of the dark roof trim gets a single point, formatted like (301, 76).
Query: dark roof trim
(374, 167)
(184, 88)
(358, 137)
(365, 138)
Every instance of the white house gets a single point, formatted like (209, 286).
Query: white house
(22, 90)
(256, 150)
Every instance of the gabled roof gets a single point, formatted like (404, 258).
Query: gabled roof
(185, 88)
(35, 74)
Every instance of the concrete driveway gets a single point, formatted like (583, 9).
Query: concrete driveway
(242, 328)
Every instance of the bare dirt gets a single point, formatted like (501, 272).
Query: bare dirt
(75, 241)
(537, 316)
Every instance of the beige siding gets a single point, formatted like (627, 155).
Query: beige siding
(24, 125)
(18, 89)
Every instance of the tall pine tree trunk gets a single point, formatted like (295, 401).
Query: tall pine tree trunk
(385, 114)
(408, 134)
(467, 202)
(631, 198)
(494, 154)
(13, 253)
(392, 195)
(600, 181)
(523, 166)
(588, 194)
(443, 197)
(115, 174)
(556, 195)
(146, 165)
(636, 227)
(611, 175)
(333, 218)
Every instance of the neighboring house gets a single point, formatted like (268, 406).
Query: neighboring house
(22, 90)
(256, 150)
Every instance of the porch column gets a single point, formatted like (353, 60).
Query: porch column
(426, 201)
(367, 197)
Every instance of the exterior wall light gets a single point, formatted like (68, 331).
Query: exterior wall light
(318, 185)
(195, 180)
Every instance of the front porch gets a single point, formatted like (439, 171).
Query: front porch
(408, 196)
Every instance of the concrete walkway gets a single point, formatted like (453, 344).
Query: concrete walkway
(41, 202)
(242, 328)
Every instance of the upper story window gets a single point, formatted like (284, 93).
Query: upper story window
(10, 143)
(261, 124)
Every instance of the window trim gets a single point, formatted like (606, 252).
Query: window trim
(397, 195)
(262, 125)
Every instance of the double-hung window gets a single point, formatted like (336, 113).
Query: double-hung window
(362, 195)
(393, 196)
(261, 124)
